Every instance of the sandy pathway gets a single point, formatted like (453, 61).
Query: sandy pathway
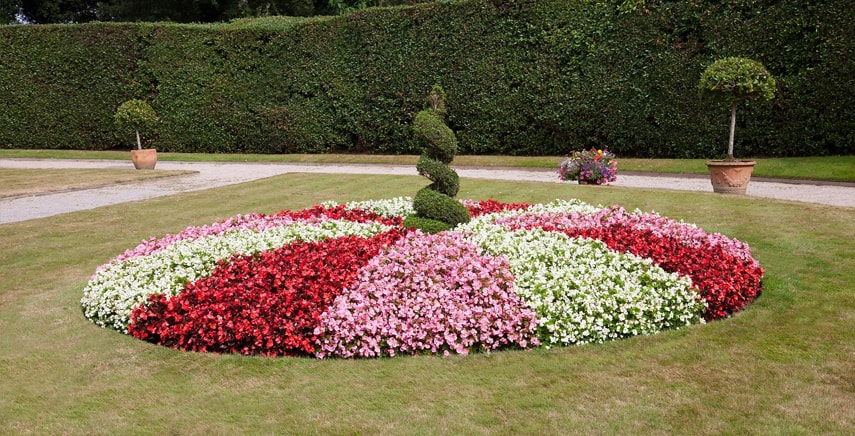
(213, 174)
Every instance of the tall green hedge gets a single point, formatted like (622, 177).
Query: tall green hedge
(525, 77)
(59, 85)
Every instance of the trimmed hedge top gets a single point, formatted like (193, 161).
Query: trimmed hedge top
(525, 78)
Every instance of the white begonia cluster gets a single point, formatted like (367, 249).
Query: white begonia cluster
(583, 292)
(572, 205)
(389, 208)
(557, 206)
(113, 292)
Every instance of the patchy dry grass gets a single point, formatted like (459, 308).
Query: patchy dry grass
(14, 182)
(785, 365)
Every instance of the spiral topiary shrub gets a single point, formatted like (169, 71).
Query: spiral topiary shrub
(439, 143)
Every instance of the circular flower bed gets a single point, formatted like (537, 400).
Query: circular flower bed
(348, 280)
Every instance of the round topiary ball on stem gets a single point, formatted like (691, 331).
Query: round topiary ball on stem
(136, 115)
(733, 80)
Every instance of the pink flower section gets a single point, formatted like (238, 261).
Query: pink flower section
(428, 294)
(257, 222)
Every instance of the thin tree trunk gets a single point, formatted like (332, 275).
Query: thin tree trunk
(732, 131)
(139, 144)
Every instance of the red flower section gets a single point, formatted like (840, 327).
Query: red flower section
(340, 212)
(266, 304)
(484, 207)
(728, 284)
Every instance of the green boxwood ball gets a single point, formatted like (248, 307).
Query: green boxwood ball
(734, 79)
(135, 114)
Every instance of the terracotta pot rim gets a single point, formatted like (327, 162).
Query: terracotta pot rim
(734, 163)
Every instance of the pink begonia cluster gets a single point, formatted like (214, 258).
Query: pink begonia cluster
(688, 234)
(428, 293)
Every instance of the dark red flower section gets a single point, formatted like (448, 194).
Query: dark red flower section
(484, 207)
(727, 283)
(269, 303)
(340, 212)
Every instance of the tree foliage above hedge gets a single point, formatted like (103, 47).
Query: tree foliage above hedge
(179, 11)
(525, 77)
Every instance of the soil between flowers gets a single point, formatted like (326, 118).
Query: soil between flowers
(348, 280)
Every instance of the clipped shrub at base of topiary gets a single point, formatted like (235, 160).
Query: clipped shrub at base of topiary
(439, 143)
(438, 206)
(426, 225)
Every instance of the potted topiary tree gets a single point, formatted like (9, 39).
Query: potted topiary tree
(135, 115)
(734, 80)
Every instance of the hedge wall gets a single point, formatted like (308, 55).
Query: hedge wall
(529, 77)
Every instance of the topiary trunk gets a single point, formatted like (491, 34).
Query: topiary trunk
(730, 157)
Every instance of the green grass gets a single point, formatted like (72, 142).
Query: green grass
(831, 168)
(786, 365)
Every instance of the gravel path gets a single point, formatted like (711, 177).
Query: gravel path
(213, 174)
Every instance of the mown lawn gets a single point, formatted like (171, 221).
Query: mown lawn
(785, 365)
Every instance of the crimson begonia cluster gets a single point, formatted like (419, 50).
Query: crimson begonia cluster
(267, 304)
(484, 207)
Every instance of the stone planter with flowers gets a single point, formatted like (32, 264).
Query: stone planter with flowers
(589, 167)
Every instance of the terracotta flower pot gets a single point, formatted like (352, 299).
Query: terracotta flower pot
(730, 177)
(144, 159)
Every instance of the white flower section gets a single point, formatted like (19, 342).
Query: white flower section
(583, 292)
(115, 290)
(388, 208)
(572, 205)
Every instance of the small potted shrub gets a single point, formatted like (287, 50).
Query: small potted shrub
(589, 167)
(733, 80)
(135, 115)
